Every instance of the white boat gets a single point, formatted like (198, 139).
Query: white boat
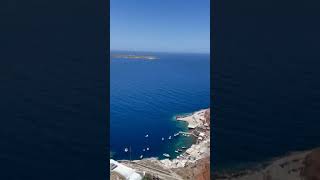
(176, 151)
(162, 139)
(141, 156)
(146, 136)
(176, 134)
(166, 155)
(125, 149)
(169, 137)
(147, 149)
(143, 149)
(184, 147)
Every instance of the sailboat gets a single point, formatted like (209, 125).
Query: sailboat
(126, 150)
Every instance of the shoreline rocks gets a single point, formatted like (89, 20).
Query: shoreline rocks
(294, 166)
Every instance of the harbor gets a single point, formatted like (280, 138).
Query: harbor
(170, 168)
(170, 140)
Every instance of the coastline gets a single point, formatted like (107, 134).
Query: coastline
(294, 166)
(195, 159)
(130, 56)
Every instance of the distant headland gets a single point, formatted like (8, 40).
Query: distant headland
(129, 56)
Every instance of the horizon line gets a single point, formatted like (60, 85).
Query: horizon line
(151, 51)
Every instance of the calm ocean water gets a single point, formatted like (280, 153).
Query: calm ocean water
(266, 88)
(146, 95)
(54, 81)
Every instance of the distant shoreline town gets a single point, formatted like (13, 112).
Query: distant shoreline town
(129, 56)
(193, 163)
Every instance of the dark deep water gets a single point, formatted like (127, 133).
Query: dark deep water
(54, 87)
(146, 95)
(265, 86)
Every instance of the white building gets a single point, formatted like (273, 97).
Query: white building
(124, 171)
(202, 134)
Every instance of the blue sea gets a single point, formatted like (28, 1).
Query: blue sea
(266, 88)
(54, 79)
(146, 95)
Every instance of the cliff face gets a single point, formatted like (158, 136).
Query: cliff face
(203, 165)
(204, 170)
(302, 165)
(311, 171)
(197, 171)
(207, 116)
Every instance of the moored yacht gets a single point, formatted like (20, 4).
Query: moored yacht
(166, 155)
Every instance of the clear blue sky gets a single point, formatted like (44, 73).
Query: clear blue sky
(160, 25)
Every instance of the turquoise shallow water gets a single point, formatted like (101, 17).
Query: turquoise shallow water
(145, 97)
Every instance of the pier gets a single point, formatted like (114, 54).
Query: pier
(189, 133)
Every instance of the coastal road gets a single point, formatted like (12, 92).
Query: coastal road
(168, 175)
